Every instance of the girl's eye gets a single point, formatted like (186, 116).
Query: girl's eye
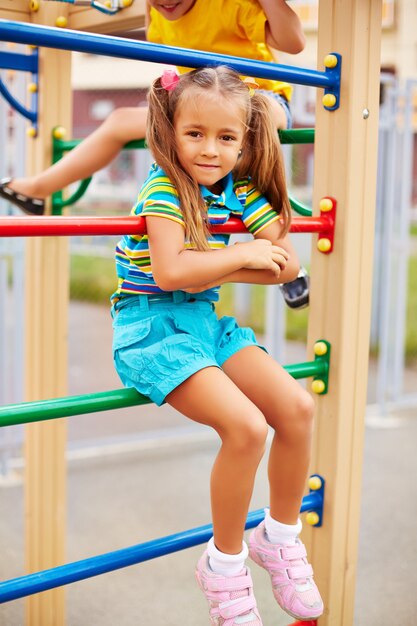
(228, 138)
(194, 133)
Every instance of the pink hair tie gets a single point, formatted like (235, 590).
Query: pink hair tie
(169, 79)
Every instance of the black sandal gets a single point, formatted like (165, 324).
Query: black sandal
(297, 292)
(30, 206)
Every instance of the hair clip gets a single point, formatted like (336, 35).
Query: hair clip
(251, 84)
(169, 79)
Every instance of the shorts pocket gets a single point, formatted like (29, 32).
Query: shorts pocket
(129, 334)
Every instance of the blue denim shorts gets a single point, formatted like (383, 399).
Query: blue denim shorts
(282, 101)
(160, 341)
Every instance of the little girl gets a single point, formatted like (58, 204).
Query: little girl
(217, 154)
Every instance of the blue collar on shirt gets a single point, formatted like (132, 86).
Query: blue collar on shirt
(220, 207)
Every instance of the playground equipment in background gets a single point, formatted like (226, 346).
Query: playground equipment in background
(341, 305)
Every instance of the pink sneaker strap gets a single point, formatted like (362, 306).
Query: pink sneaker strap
(234, 608)
(292, 553)
(300, 571)
(229, 583)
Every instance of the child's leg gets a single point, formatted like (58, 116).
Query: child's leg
(274, 544)
(288, 408)
(211, 398)
(96, 151)
(279, 115)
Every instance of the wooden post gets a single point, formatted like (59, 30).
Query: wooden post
(345, 168)
(46, 290)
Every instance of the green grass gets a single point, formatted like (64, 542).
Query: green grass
(411, 326)
(94, 280)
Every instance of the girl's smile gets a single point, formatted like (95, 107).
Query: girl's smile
(209, 134)
(172, 9)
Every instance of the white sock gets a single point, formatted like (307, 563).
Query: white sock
(226, 564)
(277, 532)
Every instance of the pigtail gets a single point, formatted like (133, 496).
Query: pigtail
(160, 137)
(263, 161)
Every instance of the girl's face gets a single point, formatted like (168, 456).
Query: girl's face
(171, 9)
(209, 133)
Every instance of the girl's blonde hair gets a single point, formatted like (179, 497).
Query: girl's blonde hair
(261, 158)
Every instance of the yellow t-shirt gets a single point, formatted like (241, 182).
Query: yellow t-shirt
(234, 27)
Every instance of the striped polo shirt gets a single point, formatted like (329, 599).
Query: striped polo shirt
(158, 197)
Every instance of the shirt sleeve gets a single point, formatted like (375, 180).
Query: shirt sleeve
(159, 199)
(257, 212)
(251, 20)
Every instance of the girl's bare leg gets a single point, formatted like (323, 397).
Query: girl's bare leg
(288, 409)
(278, 114)
(210, 397)
(96, 151)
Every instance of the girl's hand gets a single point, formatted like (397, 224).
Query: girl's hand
(261, 254)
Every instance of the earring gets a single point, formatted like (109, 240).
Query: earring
(240, 153)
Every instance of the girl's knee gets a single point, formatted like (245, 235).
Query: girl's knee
(126, 123)
(298, 423)
(248, 436)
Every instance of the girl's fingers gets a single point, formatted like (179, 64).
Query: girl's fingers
(281, 251)
(280, 260)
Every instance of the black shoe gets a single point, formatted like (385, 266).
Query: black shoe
(30, 206)
(296, 293)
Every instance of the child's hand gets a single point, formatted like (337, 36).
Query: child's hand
(261, 254)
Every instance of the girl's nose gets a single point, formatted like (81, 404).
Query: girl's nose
(209, 148)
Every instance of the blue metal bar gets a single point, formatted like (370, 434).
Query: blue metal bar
(15, 104)
(78, 41)
(96, 565)
(17, 61)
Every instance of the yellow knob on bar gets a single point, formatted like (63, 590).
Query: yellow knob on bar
(314, 483)
(329, 100)
(61, 21)
(59, 132)
(324, 244)
(312, 518)
(330, 60)
(325, 205)
(318, 386)
(320, 348)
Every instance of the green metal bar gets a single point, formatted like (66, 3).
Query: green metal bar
(297, 135)
(300, 208)
(59, 203)
(42, 410)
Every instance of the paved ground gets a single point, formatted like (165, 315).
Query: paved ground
(149, 478)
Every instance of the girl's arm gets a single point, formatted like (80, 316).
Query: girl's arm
(251, 277)
(273, 233)
(174, 267)
(283, 29)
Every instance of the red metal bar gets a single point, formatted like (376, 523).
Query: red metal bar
(57, 226)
